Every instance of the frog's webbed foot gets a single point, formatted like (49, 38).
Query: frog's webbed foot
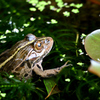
(49, 72)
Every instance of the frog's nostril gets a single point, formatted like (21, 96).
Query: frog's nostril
(47, 41)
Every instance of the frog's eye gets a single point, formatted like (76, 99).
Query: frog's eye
(38, 45)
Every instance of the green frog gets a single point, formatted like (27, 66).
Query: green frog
(27, 56)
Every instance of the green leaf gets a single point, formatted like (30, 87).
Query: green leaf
(41, 5)
(58, 0)
(52, 7)
(60, 4)
(67, 79)
(72, 5)
(80, 63)
(78, 5)
(66, 13)
(51, 87)
(7, 31)
(32, 19)
(33, 1)
(2, 94)
(32, 9)
(58, 10)
(26, 24)
(53, 21)
(11, 76)
(2, 37)
(75, 11)
(92, 45)
(41, 8)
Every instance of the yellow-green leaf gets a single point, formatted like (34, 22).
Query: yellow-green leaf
(51, 87)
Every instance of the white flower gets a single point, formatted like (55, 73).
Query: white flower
(15, 30)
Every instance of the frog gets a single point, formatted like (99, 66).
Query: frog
(26, 57)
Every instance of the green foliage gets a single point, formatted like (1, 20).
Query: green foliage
(14, 88)
(41, 5)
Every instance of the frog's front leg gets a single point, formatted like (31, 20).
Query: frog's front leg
(49, 72)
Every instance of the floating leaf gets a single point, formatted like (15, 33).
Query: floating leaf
(7, 31)
(41, 5)
(2, 94)
(11, 76)
(41, 8)
(92, 45)
(32, 9)
(33, 2)
(52, 8)
(80, 63)
(72, 5)
(66, 13)
(60, 4)
(32, 19)
(53, 21)
(26, 24)
(2, 37)
(67, 80)
(75, 11)
(80, 52)
(58, 10)
(78, 5)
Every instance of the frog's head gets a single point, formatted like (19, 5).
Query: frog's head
(41, 46)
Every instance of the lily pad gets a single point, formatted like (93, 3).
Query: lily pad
(92, 45)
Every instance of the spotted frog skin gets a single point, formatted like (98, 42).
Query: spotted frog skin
(27, 56)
